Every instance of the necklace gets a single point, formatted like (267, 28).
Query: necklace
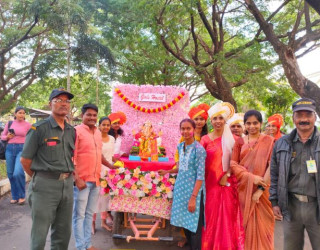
(255, 143)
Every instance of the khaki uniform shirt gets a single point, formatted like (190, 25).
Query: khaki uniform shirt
(49, 147)
(300, 181)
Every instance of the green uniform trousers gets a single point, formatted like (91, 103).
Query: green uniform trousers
(304, 217)
(51, 203)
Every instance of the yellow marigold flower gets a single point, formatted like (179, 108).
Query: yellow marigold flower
(103, 184)
(172, 180)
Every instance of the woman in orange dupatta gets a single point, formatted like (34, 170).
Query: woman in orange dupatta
(250, 164)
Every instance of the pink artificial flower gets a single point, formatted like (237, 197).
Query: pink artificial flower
(132, 181)
(112, 172)
(134, 192)
(153, 192)
(167, 184)
(121, 191)
(148, 177)
(127, 172)
(127, 185)
(135, 179)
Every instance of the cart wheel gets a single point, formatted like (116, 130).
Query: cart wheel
(117, 226)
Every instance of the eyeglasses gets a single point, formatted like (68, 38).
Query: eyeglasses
(61, 101)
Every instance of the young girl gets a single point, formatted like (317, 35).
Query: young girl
(108, 145)
(117, 119)
(187, 206)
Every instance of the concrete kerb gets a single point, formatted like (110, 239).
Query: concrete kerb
(5, 185)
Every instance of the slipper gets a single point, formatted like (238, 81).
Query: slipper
(13, 201)
(106, 227)
(109, 221)
(182, 243)
(21, 201)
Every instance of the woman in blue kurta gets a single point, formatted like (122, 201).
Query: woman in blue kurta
(187, 207)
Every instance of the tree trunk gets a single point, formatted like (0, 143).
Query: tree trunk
(300, 84)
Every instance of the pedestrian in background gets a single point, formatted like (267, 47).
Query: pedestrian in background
(295, 186)
(47, 157)
(15, 134)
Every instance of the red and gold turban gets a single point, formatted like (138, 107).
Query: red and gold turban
(276, 120)
(200, 110)
(118, 117)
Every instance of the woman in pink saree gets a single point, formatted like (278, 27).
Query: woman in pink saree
(250, 164)
(223, 226)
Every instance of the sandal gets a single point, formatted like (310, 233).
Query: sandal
(106, 227)
(21, 201)
(109, 221)
(182, 242)
(13, 201)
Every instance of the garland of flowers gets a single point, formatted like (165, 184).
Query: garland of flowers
(148, 110)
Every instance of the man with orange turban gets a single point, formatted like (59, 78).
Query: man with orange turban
(274, 124)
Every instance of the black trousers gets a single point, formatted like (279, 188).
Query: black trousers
(194, 239)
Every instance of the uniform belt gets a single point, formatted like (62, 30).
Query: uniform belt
(304, 198)
(53, 175)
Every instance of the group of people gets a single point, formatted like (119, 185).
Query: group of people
(235, 181)
(66, 165)
(231, 183)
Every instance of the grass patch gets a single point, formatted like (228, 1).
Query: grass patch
(3, 170)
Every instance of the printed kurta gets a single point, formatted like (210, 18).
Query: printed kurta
(191, 169)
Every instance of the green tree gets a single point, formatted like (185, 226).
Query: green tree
(33, 42)
(82, 86)
(290, 36)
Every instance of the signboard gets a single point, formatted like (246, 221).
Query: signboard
(151, 97)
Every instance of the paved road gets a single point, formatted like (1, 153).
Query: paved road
(15, 224)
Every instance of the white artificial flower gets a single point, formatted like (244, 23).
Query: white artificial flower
(127, 177)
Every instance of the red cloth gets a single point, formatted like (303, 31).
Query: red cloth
(223, 226)
(147, 165)
(200, 110)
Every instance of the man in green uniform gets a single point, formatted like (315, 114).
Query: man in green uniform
(47, 157)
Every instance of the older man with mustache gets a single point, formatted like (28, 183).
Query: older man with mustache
(47, 158)
(295, 179)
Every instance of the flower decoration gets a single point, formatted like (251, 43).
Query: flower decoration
(166, 121)
(149, 110)
(138, 183)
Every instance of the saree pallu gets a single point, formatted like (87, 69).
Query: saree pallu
(247, 161)
(223, 225)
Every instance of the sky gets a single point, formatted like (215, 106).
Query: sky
(310, 66)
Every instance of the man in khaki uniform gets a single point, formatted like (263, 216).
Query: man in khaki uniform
(47, 157)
